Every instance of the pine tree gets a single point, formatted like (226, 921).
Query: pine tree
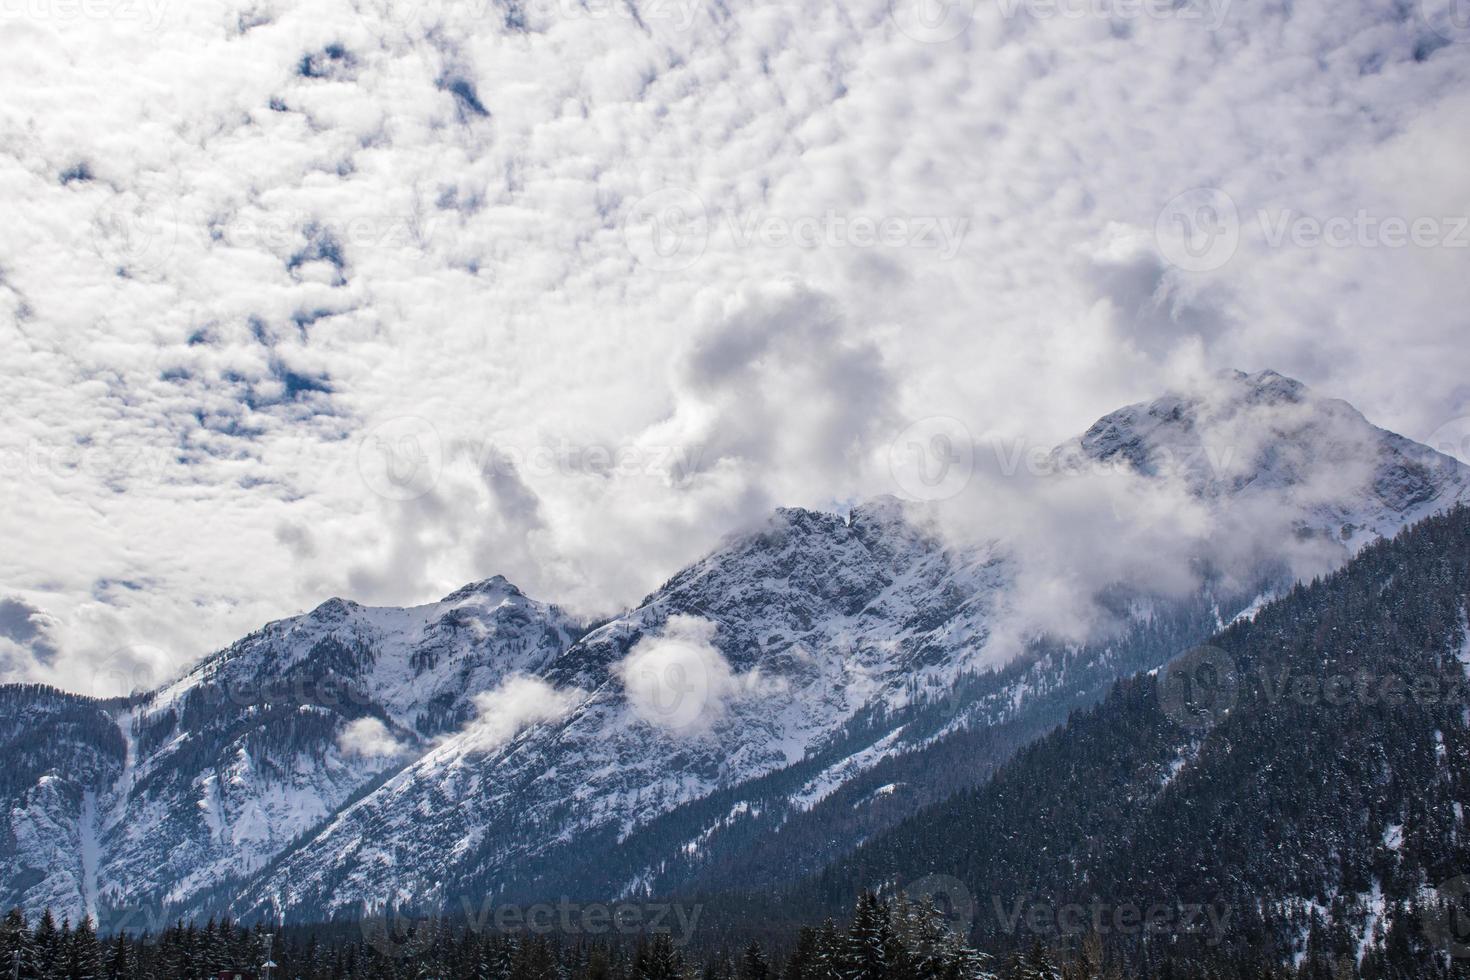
(118, 965)
(800, 965)
(214, 947)
(827, 963)
(502, 958)
(753, 963)
(16, 948)
(49, 951)
(168, 961)
(1037, 965)
(659, 960)
(85, 960)
(868, 941)
(1090, 962)
(719, 966)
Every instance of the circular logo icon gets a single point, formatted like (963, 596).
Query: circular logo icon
(130, 669)
(1199, 230)
(672, 692)
(667, 230)
(1452, 439)
(950, 898)
(1197, 689)
(1446, 924)
(401, 459)
(932, 459)
(932, 21)
(130, 234)
(1450, 19)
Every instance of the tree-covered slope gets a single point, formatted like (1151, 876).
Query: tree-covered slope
(1296, 788)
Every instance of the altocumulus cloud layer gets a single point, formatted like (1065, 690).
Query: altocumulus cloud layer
(373, 298)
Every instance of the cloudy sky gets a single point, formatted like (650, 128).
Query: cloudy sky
(301, 298)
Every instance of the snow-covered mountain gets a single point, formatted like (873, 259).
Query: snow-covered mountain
(1263, 444)
(755, 654)
(212, 775)
(817, 678)
(1318, 824)
(819, 618)
(60, 751)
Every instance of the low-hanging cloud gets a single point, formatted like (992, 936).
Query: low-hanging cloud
(25, 638)
(517, 703)
(678, 681)
(1229, 480)
(369, 738)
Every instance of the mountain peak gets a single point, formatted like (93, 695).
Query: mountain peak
(334, 610)
(1267, 386)
(1270, 439)
(494, 585)
(882, 509)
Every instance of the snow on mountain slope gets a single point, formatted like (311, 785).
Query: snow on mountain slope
(57, 748)
(475, 747)
(809, 619)
(1263, 446)
(217, 772)
(818, 617)
(1287, 476)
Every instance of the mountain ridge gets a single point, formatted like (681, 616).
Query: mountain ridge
(829, 647)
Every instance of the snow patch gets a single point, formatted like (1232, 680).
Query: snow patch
(830, 779)
(90, 851)
(1186, 754)
(1249, 613)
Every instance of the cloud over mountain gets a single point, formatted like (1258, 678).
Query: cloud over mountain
(627, 281)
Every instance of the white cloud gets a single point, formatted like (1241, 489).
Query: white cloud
(679, 681)
(369, 738)
(211, 299)
(1228, 495)
(517, 703)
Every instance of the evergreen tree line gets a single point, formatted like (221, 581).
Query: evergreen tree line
(897, 940)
